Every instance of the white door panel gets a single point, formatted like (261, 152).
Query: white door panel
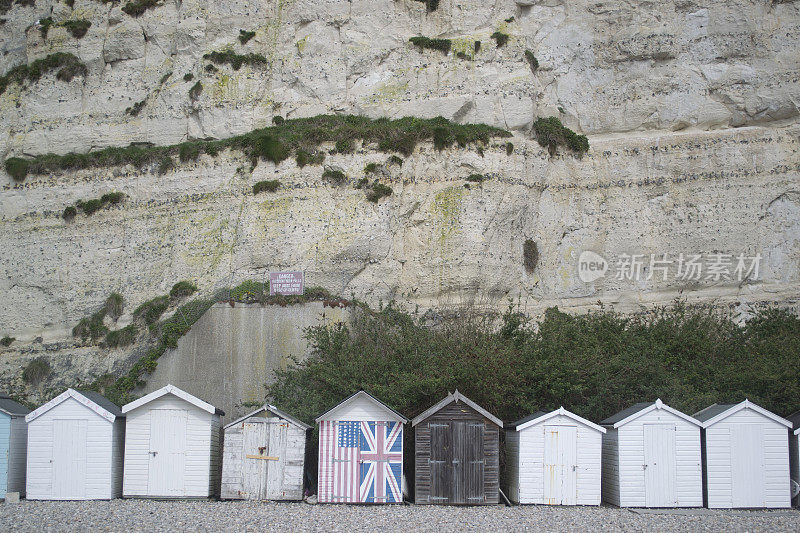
(69, 459)
(659, 465)
(167, 452)
(560, 465)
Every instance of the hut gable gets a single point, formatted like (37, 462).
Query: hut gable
(360, 452)
(173, 446)
(554, 458)
(457, 453)
(746, 459)
(263, 456)
(652, 458)
(74, 452)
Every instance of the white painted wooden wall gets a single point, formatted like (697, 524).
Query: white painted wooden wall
(17, 455)
(198, 450)
(747, 462)
(525, 460)
(95, 476)
(249, 478)
(360, 409)
(631, 485)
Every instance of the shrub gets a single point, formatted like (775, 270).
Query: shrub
(182, 289)
(17, 168)
(530, 255)
(551, 134)
(136, 108)
(278, 120)
(344, 146)
(442, 138)
(151, 310)
(89, 207)
(114, 305)
(430, 5)
(266, 186)
(245, 36)
(475, 178)
(210, 68)
(531, 59)
(235, 60)
(91, 327)
(36, 371)
(122, 337)
(188, 76)
(509, 148)
(196, 90)
(6, 341)
(270, 148)
(188, 151)
(113, 198)
(337, 177)
(500, 38)
(304, 158)
(69, 213)
(77, 28)
(379, 190)
(371, 168)
(138, 7)
(477, 46)
(394, 160)
(443, 45)
(250, 291)
(363, 182)
(44, 26)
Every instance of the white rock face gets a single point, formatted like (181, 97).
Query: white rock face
(691, 108)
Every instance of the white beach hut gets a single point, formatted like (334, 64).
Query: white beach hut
(651, 458)
(263, 456)
(794, 456)
(360, 452)
(75, 446)
(554, 458)
(172, 446)
(746, 456)
(13, 446)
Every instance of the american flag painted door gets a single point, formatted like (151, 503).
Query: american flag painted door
(360, 462)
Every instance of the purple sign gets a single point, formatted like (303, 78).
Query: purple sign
(286, 283)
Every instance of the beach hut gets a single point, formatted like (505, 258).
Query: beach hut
(75, 446)
(554, 458)
(794, 456)
(13, 446)
(651, 458)
(361, 452)
(746, 456)
(457, 459)
(263, 456)
(172, 446)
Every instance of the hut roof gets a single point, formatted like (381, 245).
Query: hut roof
(274, 410)
(717, 412)
(93, 400)
(363, 394)
(456, 397)
(12, 408)
(635, 411)
(175, 391)
(541, 416)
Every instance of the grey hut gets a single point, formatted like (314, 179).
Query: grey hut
(457, 458)
(263, 456)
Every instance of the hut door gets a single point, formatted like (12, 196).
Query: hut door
(747, 465)
(276, 464)
(346, 462)
(659, 465)
(69, 459)
(255, 437)
(167, 452)
(472, 446)
(560, 465)
(441, 462)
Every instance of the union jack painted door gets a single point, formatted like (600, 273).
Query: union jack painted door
(360, 462)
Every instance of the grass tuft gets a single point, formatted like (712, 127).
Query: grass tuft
(245, 36)
(443, 45)
(68, 67)
(532, 61)
(78, 28)
(337, 177)
(136, 8)
(36, 371)
(196, 90)
(304, 158)
(188, 76)
(266, 186)
(6, 341)
(551, 133)
(476, 178)
(17, 168)
(500, 38)
(378, 191)
(122, 337)
(182, 289)
(235, 60)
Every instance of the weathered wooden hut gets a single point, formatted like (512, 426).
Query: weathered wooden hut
(554, 458)
(651, 458)
(263, 456)
(746, 456)
(794, 456)
(75, 447)
(361, 452)
(457, 455)
(173, 446)
(13, 446)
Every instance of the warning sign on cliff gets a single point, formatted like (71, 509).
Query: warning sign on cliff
(286, 283)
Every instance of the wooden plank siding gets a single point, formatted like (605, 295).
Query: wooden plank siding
(462, 482)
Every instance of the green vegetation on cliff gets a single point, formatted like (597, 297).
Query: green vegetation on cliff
(593, 364)
(235, 60)
(68, 67)
(275, 143)
(551, 133)
(443, 45)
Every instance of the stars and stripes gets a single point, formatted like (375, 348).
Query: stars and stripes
(360, 462)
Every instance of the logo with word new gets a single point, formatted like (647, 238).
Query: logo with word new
(591, 266)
